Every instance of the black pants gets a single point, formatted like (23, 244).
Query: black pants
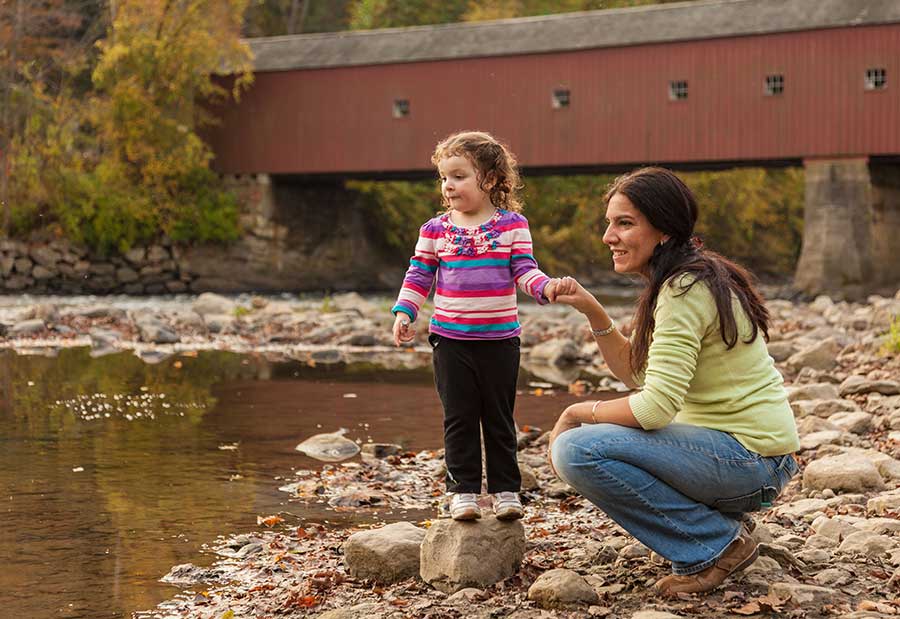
(476, 381)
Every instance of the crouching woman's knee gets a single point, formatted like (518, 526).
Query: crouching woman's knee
(571, 453)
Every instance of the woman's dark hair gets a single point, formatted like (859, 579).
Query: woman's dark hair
(670, 207)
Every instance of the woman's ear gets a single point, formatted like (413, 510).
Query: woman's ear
(663, 239)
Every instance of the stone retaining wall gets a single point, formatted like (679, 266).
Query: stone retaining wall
(62, 267)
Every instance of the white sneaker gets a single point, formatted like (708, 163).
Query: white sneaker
(464, 506)
(507, 506)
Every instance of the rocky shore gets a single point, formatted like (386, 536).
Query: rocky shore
(830, 546)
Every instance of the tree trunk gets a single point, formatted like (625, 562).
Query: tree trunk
(7, 120)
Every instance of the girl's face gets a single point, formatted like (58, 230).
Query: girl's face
(459, 186)
(630, 236)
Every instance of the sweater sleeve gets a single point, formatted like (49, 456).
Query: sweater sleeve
(682, 320)
(528, 277)
(419, 276)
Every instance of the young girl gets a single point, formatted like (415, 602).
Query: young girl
(479, 250)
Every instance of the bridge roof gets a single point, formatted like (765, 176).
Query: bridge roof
(683, 21)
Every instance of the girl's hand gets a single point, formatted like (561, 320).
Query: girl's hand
(570, 292)
(558, 286)
(403, 329)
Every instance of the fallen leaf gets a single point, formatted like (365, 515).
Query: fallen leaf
(750, 608)
(269, 521)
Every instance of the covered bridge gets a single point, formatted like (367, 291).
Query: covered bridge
(700, 85)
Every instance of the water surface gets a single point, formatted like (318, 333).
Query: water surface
(113, 470)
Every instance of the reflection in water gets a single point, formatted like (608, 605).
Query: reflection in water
(116, 470)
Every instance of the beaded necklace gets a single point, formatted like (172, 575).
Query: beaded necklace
(471, 241)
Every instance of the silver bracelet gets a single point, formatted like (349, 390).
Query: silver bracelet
(606, 331)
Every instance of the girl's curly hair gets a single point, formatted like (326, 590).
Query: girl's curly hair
(495, 166)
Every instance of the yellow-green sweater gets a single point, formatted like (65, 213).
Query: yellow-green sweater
(691, 377)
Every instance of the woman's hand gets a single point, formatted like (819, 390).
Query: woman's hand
(570, 292)
(564, 423)
(403, 329)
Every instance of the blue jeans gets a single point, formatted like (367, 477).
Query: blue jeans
(680, 490)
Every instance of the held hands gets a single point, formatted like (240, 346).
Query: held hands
(569, 292)
(403, 329)
(557, 286)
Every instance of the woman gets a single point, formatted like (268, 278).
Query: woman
(709, 436)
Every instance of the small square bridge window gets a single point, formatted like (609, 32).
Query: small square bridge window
(678, 90)
(401, 108)
(560, 98)
(774, 85)
(876, 79)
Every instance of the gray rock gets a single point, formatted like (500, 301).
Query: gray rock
(815, 391)
(802, 594)
(211, 303)
(884, 503)
(42, 273)
(220, 323)
(856, 422)
(381, 450)
(867, 543)
(825, 437)
(154, 331)
(157, 253)
(329, 447)
(555, 352)
(45, 257)
(561, 588)
(136, 256)
(848, 472)
(454, 557)
(819, 356)
(859, 384)
(23, 266)
(27, 327)
(384, 555)
(781, 351)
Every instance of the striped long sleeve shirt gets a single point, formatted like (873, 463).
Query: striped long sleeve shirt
(475, 272)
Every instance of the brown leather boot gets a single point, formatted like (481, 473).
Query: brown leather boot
(740, 554)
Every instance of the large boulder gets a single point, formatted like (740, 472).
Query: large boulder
(845, 472)
(561, 588)
(454, 554)
(384, 555)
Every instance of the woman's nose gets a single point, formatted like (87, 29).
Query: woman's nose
(608, 235)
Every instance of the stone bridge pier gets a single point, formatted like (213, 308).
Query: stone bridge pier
(851, 236)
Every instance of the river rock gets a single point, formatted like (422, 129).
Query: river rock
(817, 439)
(859, 384)
(220, 323)
(655, 614)
(561, 588)
(153, 330)
(555, 352)
(211, 303)
(867, 543)
(847, 472)
(884, 503)
(819, 356)
(384, 555)
(329, 447)
(802, 594)
(856, 422)
(453, 553)
(27, 327)
(781, 351)
(381, 450)
(815, 391)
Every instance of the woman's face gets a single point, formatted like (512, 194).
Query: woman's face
(630, 236)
